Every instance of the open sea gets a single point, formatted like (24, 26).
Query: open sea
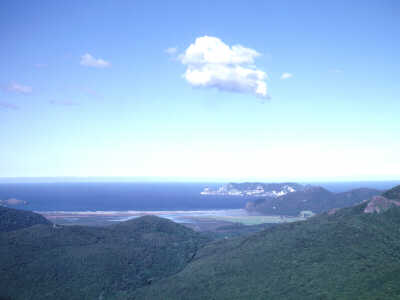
(112, 196)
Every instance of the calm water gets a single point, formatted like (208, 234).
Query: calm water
(116, 196)
(135, 196)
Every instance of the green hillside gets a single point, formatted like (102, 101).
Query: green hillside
(345, 255)
(13, 219)
(76, 262)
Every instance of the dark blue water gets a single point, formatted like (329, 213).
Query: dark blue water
(136, 196)
(116, 196)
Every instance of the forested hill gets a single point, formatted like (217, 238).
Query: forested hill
(13, 219)
(78, 262)
(343, 254)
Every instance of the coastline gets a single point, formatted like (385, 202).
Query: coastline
(199, 220)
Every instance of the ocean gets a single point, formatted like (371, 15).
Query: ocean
(114, 196)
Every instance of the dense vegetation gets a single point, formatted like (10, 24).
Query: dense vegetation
(345, 255)
(13, 219)
(312, 198)
(77, 262)
(235, 230)
(393, 193)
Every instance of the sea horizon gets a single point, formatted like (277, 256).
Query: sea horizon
(140, 196)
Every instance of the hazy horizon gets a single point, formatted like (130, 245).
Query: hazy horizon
(155, 179)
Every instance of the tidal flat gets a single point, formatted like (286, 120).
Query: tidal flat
(199, 220)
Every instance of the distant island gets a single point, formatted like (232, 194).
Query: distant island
(12, 201)
(254, 189)
(291, 199)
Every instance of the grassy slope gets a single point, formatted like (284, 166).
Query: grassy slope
(348, 255)
(77, 262)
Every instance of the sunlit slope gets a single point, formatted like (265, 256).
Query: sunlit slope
(344, 255)
(76, 262)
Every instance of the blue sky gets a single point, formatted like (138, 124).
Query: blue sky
(266, 90)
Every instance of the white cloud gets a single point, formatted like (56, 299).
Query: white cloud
(171, 50)
(19, 88)
(286, 75)
(211, 63)
(89, 61)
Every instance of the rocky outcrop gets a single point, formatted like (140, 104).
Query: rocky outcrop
(380, 204)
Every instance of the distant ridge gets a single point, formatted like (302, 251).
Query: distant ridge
(289, 198)
(314, 199)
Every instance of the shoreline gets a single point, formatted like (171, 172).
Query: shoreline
(196, 219)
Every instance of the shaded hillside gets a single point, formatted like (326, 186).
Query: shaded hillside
(77, 262)
(13, 219)
(312, 198)
(347, 254)
(393, 193)
(356, 195)
(235, 230)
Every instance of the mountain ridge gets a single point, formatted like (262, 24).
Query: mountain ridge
(348, 254)
(312, 198)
